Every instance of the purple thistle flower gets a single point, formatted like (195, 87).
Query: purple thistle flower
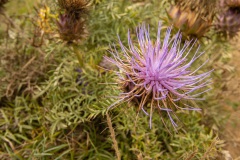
(157, 75)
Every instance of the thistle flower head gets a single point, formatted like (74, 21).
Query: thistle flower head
(233, 3)
(193, 18)
(73, 5)
(191, 24)
(70, 28)
(157, 74)
(204, 8)
(72, 24)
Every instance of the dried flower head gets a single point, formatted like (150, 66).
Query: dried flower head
(233, 3)
(73, 5)
(190, 23)
(72, 24)
(192, 18)
(157, 74)
(204, 8)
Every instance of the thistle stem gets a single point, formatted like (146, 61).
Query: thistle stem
(112, 132)
(78, 54)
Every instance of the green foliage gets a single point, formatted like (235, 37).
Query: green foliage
(157, 143)
(117, 17)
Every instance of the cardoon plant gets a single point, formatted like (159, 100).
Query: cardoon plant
(156, 75)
